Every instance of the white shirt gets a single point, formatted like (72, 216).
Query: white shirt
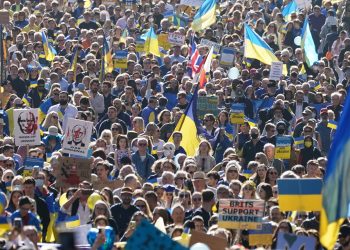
(70, 112)
(298, 111)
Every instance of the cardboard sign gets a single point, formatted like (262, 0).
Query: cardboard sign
(147, 236)
(276, 71)
(237, 113)
(227, 56)
(209, 44)
(163, 41)
(211, 241)
(300, 194)
(176, 39)
(111, 184)
(283, 147)
(140, 44)
(287, 241)
(120, 59)
(77, 137)
(73, 171)
(29, 163)
(207, 105)
(26, 127)
(241, 214)
(195, 3)
(261, 237)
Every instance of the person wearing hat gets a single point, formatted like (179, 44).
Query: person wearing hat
(122, 212)
(52, 140)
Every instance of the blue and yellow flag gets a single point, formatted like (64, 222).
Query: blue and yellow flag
(256, 48)
(336, 191)
(50, 52)
(106, 60)
(308, 45)
(4, 225)
(251, 122)
(43, 109)
(125, 34)
(151, 42)
(205, 16)
(299, 194)
(188, 125)
(27, 100)
(72, 221)
(290, 8)
(180, 21)
(332, 124)
(74, 62)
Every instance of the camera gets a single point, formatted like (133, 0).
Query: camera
(87, 191)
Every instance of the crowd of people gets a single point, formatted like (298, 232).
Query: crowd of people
(135, 112)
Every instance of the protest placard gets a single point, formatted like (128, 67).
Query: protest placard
(287, 241)
(176, 39)
(276, 71)
(77, 137)
(147, 236)
(211, 241)
(241, 214)
(110, 184)
(120, 59)
(140, 44)
(195, 3)
(299, 142)
(72, 171)
(261, 237)
(283, 147)
(209, 44)
(26, 127)
(303, 4)
(299, 194)
(163, 41)
(227, 56)
(237, 113)
(207, 105)
(29, 163)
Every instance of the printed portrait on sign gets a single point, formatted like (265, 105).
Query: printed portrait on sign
(27, 123)
(77, 135)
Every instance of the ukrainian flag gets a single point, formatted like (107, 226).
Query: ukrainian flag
(50, 52)
(308, 45)
(189, 126)
(72, 221)
(4, 225)
(262, 236)
(125, 34)
(106, 60)
(27, 100)
(336, 191)
(43, 109)
(151, 42)
(290, 8)
(251, 122)
(332, 124)
(247, 173)
(317, 86)
(74, 62)
(299, 194)
(205, 16)
(180, 21)
(256, 48)
(299, 142)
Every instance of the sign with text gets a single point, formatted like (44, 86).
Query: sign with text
(207, 105)
(26, 127)
(283, 147)
(195, 3)
(209, 44)
(176, 39)
(77, 137)
(73, 171)
(227, 57)
(237, 114)
(120, 59)
(276, 71)
(241, 214)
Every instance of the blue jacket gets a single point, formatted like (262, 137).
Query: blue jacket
(149, 115)
(143, 168)
(33, 220)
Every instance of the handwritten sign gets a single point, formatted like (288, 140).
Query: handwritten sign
(237, 114)
(77, 137)
(208, 43)
(176, 39)
(120, 59)
(73, 171)
(276, 71)
(283, 147)
(26, 127)
(241, 214)
(195, 3)
(207, 105)
(227, 57)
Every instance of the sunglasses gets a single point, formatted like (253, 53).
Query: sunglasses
(184, 195)
(10, 177)
(248, 188)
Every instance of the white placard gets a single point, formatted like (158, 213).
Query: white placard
(195, 3)
(227, 56)
(276, 71)
(77, 137)
(176, 39)
(206, 42)
(26, 127)
(303, 4)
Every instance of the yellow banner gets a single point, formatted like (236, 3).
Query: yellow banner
(237, 118)
(283, 152)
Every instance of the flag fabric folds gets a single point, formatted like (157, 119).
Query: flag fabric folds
(336, 192)
(290, 8)
(106, 60)
(180, 21)
(332, 124)
(188, 125)
(299, 194)
(308, 45)
(205, 16)
(50, 52)
(151, 42)
(205, 70)
(74, 62)
(257, 48)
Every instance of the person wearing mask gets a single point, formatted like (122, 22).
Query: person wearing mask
(38, 94)
(309, 151)
(251, 147)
